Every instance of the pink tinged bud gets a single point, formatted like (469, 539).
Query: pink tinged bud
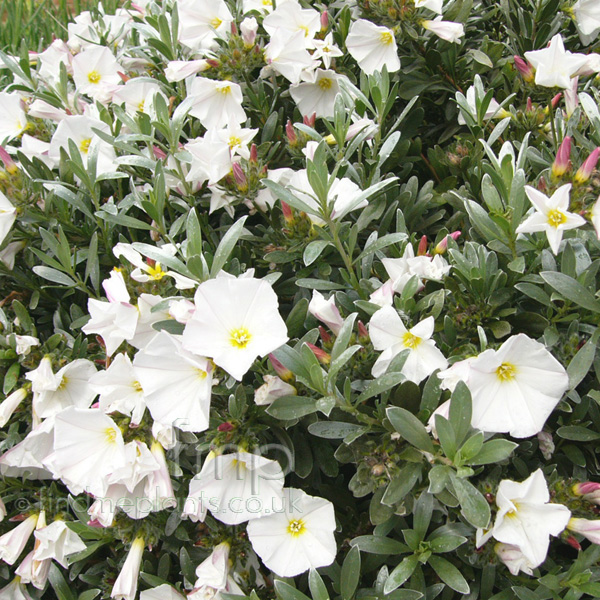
(321, 355)
(291, 133)
(287, 212)
(590, 490)
(556, 99)
(95, 523)
(571, 97)
(573, 542)
(443, 245)
(253, 154)
(561, 163)
(324, 335)
(159, 153)
(526, 70)
(212, 62)
(542, 185)
(227, 426)
(239, 175)
(422, 249)
(283, 372)
(529, 105)
(234, 28)
(324, 20)
(587, 528)
(363, 332)
(310, 121)
(587, 168)
(9, 163)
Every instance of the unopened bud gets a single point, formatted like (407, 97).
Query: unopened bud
(239, 176)
(287, 212)
(324, 21)
(587, 168)
(590, 490)
(234, 28)
(542, 185)
(253, 154)
(227, 426)
(248, 28)
(321, 355)
(529, 106)
(561, 163)
(525, 69)
(363, 333)
(159, 153)
(282, 371)
(290, 132)
(310, 121)
(9, 164)
(212, 62)
(556, 100)
(443, 245)
(324, 335)
(573, 542)
(422, 248)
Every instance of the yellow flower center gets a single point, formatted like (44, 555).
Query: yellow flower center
(296, 527)
(111, 435)
(239, 338)
(386, 38)
(234, 141)
(556, 217)
(410, 340)
(225, 90)
(156, 273)
(94, 77)
(137, 387)
(141, 106)
(63, 383)
(325, 83)
(85, 145)
(216, 22)
(267, 2)
(305, 29)
(506, 372)
(201, 374)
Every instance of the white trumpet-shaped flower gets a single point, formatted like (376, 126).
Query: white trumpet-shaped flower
(551, 215)
(298, 536)
(177, 383)
(389, 334)
(8, 214)
(235, 488)
(125, 587)
(56, 541)
(13, 542)
(235, 321)
(373, 47)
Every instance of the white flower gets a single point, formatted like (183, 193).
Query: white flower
(236, 137)
(162, 592)
(13, 119)
(459, 371)
(373, 47)
(116, 320)
(15, 590)
(125, 587)
(25, 343)
(138, 94)
(236, 320)
(446, 30)
(10, 404)
(32, 569)
(298, 536)
(9, 253)
(516, 387)
(389, 334)
(587, 16)
(326, 311)
(235, 488)
(513, 558)
(213, 575)
(119, 389)
(177, 70)
(551, 215)
(88, 447)
(554, 66)
(13, 542)
(326, 50)
(68, 387)
(51, 58)
(287, 55)
(202, 22)
(290, 18)
(56, 541)
(317, 96)
(433, 5)
(272, 388)
(211, 159)
(96, 72)
(384, 294)
(147, 316)
(177, 384)
(159, 487)
(8, 214)
(471, 99)
(589, 529)
(216, 103)
(525, 517)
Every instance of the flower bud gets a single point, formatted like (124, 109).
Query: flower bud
(422, 249)
(248, 29)
(587, 528)
(529, 105)
(324, 20)
(310, 121)
(159, 153)
(561, 163)
(253, 154)
(227, 426)
(280, 369)
(126, 584)
(443, 245)
(273, 388)
(287, 212)
(240, 177)
(324, 335)
(525, 69)
(590, 490)
(573, 542)
(291, 133)
(587, 168)
(323, 357)
(363, 333)
(326, 311)
(556, 100)
(9, 164)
